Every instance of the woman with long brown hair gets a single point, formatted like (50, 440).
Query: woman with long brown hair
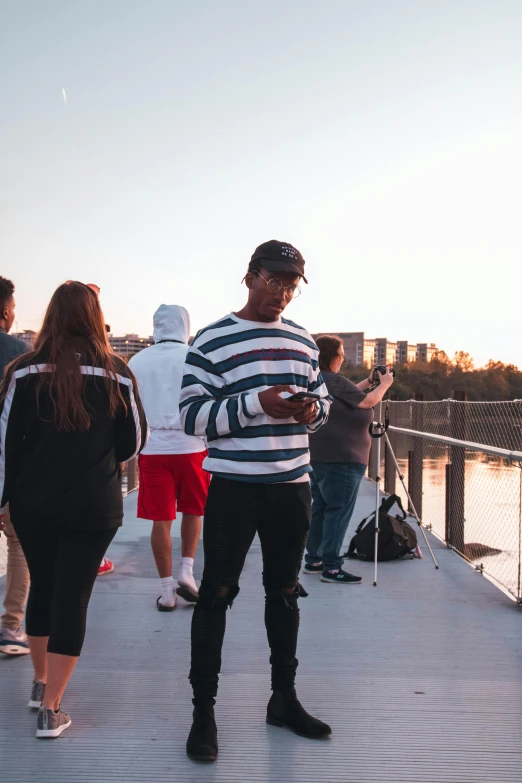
(70, 414)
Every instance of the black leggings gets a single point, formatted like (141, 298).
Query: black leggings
(235, 512)
(63, 566)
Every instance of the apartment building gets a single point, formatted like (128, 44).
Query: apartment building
(28, 336)
(129, 344)
(360, 350)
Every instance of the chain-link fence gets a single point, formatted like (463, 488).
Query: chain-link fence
(470, 497)
(130, 476)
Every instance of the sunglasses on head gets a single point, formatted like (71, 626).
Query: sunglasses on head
(92, 286)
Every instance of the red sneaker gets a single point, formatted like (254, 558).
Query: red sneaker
(107, 567)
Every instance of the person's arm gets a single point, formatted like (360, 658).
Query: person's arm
(316, 414)
(132, 430)
(203, 409)
(12, 434)
(376, 395)
(363, 385)
(206, 411)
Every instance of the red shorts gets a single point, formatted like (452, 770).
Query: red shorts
(168, 481)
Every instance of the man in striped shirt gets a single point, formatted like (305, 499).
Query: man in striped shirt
(238, 375)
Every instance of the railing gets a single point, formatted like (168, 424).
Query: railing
(462, 464)
(130, 476)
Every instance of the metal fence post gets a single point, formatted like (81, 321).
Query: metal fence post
(415, 457)
(447, 530)
(519, 594)
(457, 470)
(131, 475)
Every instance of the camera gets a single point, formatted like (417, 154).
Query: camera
(380, 368)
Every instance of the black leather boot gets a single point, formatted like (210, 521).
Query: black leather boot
(285, 709)
(202, 744)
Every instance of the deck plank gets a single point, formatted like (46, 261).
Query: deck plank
(419, 677)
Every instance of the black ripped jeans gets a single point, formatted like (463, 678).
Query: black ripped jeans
(235, 512)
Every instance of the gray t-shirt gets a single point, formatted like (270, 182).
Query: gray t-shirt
(345, 436)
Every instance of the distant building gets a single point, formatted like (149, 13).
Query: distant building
(357, 350)
(129, 344)
(425, 351)
(405, 352)
(385, 352)
(27, 336)
(360, 350)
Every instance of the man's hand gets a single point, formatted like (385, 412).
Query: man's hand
(277, 407)
(308, 414)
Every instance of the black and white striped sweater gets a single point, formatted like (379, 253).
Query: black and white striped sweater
(229, 363)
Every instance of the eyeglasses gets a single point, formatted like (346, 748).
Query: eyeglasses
(275, 286)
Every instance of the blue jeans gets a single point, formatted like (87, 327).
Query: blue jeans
(334, 491)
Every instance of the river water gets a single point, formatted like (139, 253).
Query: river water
(492, 509)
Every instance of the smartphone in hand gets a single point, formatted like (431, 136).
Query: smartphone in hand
(300, 396)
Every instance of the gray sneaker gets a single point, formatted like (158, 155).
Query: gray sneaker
(13, 642)
(37, 694)
(50, 723)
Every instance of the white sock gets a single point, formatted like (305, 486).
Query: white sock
(187, 564)
(168, 595)
(186, 577)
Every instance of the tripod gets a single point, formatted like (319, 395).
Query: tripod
(378, 429)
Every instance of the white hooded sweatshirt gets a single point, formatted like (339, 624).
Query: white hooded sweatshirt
(159, 372)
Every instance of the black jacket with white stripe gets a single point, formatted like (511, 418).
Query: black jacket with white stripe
(53, 478)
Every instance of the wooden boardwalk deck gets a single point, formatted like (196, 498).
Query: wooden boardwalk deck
(420, 679)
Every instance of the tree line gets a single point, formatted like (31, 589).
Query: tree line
(438, 378)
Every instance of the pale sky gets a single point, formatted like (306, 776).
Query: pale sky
(383, 138)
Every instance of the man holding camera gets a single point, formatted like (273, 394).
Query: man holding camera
(238, 375)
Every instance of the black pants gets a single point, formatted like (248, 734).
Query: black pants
(63, 566)
(280, 514)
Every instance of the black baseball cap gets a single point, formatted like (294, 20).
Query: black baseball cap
(275, 256)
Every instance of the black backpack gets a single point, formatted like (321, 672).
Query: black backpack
(396, 536)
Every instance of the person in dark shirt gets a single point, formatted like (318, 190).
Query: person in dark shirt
(10, 347)
(339, 454)
(13, 639)
(70, 414)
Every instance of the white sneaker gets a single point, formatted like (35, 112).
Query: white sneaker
(50, 724)
(13, 642)
(37, 694)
